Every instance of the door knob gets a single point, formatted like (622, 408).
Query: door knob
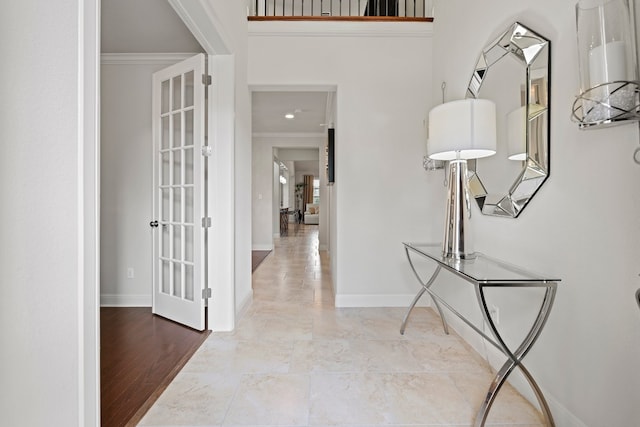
(153, 224)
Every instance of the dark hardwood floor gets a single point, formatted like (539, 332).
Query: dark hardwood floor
(257, 257)
(140, 354)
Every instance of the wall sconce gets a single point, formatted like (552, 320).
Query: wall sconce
(607, 62)
(428, 163)
(432, 165)
(458, 131)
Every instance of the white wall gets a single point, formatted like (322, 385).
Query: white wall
(275, 197)
(291, 184)
(126, 176)
(47, 159)
(231, 24)
(298, 154)
(582, 226)
(332, 191)
(383, 95)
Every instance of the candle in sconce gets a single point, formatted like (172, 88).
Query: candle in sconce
(608, 70)
(607, 63)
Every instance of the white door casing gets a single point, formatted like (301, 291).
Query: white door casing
(178, 192)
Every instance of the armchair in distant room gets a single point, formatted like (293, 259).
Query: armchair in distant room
(312, 214)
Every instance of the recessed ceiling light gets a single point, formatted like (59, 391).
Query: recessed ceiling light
(289, 116)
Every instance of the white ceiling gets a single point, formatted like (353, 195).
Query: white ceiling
(309, 108)
(152, 26)
(313, 112)
(307, 166)
(144, 26)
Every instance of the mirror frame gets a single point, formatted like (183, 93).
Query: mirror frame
(528, 48)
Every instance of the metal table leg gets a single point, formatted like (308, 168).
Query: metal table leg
(425, 286)
(514, 359)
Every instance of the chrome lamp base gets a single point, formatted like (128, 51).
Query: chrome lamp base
(457, 243)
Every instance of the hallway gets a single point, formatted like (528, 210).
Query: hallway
(296, 360)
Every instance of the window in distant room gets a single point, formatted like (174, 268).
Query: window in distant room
(316, 191)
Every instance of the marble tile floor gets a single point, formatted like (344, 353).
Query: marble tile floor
(296, 360)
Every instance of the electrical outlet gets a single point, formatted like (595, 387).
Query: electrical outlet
(130, 273)
(494, 312)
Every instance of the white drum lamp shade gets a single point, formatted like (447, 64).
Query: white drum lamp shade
(458, 131)
(464, 129)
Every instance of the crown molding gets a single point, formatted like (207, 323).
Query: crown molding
(282, 135)
(292, 88)
(143, 58)
(340, 29)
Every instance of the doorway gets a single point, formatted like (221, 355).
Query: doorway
(126, 181)
(290, 136)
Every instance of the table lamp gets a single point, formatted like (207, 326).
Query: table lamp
(458, 131)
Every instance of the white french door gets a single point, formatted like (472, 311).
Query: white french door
(178, 192)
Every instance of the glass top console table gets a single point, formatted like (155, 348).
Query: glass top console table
(486, 272)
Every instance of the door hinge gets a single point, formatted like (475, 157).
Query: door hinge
(206, 222)
(206, 293)
(207, 150)
(206, 79)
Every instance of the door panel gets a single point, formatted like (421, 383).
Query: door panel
(178, 242)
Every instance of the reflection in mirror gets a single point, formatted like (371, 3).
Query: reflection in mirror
(513, 71)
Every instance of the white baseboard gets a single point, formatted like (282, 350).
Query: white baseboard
(109, 300)
(244, 306)
(345, 301)
(259, 247)
(561, 415)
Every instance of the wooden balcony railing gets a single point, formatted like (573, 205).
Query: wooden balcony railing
(401, 10)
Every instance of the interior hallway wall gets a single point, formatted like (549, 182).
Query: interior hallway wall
(231, 23)
(48, 319)
(582, 226)
(383, 91)
(126, 177)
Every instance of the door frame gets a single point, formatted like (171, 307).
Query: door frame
(204, 24)
(88, 178)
